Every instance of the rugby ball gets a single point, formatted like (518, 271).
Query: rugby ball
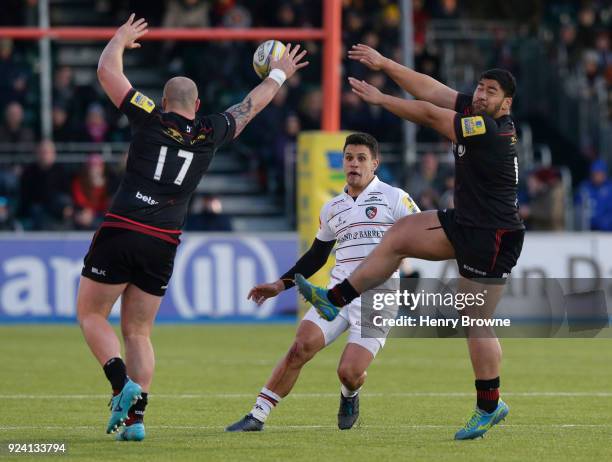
(264, 54)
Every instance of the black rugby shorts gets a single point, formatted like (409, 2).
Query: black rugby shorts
(117, 255)
(482, 253)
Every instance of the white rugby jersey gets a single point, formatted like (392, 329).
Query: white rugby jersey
(358, 225)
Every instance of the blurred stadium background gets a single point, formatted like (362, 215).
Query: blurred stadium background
(63, 147)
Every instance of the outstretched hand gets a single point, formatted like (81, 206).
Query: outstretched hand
(262, 292)
(367, 55)
(131, 31)
(291, 61)
(368, 93)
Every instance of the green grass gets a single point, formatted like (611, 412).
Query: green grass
(208, 377)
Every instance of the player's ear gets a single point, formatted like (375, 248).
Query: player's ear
(164, 101)
(197, 105)
(507, 104)
(375, 163)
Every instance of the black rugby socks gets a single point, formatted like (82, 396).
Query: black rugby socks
(116, 374)
(342, 294)
(487, 394)
(136, 412)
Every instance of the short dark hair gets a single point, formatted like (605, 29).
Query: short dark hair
(505, 79)
(365, 139)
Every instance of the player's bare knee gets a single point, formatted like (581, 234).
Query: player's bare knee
(135, 333)
(134, 330)
(350, 376)
(300, 353)
(83, 314)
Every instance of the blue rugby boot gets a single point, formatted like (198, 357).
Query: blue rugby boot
(317, 297)
(481, 422)
(134, 432)
(120, 405)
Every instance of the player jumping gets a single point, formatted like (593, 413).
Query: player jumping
(132, 253)
(356, 221)
(483, 233)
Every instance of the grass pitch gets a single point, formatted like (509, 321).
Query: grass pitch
(418, 393)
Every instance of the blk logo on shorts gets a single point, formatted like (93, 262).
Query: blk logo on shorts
(371, 212)
(97, 271)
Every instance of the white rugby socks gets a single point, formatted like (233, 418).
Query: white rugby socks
(349, 393)
(266, 401)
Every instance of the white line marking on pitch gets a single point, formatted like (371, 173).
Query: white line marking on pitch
(529, 394)
(292, 427)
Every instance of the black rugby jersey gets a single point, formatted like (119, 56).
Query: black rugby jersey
(486, 169)
(168, 156)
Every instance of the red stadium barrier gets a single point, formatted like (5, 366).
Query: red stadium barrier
(212, 34)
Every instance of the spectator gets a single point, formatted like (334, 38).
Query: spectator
(447, 9)
(586, 21)
(207, 215)
(428, 62)
(7, 222)
(426, 184)
(63, 87)
(543, 207)
(285, 15)
(353, 29)
(90, 193)
(595, 196)
(569, 50)
(390, 24)
(420, 18)
(602, 45)
(447, 198)
(75, 101)
(61, 128)
(284, 152)
(9, 184)
(13, 84)
(45, 198)
(354, 115)
(187, 13)
(13, 130)
(594, 80)
(237, 17)
(310, 110)
(96, 126)
(219, 9)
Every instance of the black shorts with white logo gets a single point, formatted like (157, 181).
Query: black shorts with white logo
(485, 253)
(121, 252)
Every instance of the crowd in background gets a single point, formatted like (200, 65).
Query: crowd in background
(45, 195)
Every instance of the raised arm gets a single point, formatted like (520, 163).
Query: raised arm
(420, 112)
(421, 86)
(110, 66)
(263, 93)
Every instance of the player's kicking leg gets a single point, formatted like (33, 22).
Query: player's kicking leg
(95, 301)
(419, 235)
(138, 311)
(485, 354)
(309, 340)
